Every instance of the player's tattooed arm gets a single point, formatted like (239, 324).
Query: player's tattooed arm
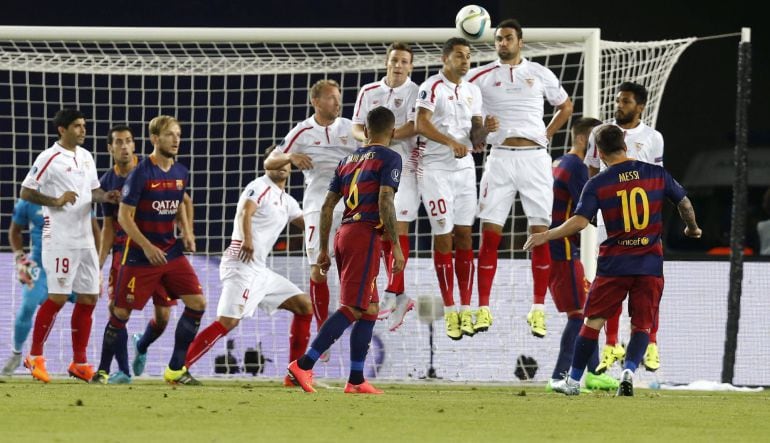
(478, 134)
(34, 196)
(99, 195)
(388, 218)
(388, 213)
(687, 212)
(327, 215)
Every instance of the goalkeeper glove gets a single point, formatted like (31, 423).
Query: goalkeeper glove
(24, 269)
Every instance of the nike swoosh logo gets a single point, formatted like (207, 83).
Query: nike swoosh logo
(154, 185)
(543, 267)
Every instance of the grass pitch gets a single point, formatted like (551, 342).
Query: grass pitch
(264, 411)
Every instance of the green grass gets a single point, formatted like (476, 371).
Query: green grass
(259, 411)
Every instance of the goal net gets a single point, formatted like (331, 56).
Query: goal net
(237, 91)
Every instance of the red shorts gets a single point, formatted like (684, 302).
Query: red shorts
(567, 285)
(159, 297)
(644, 291)
(357, 248)
(136, 284)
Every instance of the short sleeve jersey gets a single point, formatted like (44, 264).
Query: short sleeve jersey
(157, 195)
(55, 171)
(644, 144)
(30, 215)
(453, 105)
(630, 196)
(569, 177)
(401, 101)
(109, 181)
(275, 208)
(515, 94)
(326, 146)
(358, 179)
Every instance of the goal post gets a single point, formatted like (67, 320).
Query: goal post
(237, 91)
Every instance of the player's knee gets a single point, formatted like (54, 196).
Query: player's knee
(121, 313)
(229, 323)
(299, 304)
(161, 317)
(196, 302)
(87, 299)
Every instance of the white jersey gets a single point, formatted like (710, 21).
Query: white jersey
(401, 102)
(326, 146)
(55, 171)
(453, 105)
(644, 144)
(275, 208)
(514, 94)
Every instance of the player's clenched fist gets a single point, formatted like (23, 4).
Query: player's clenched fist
(68, 197)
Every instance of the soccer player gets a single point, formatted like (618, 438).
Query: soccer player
(153, 256)
(63, 180)
(367, 181)
(450, 125)
(397, 92)
(514, 90)
(31, 275)
(316, 146)
(630, 194)
(263, 211)
(645, 144)
(566, 281)
(121, 145)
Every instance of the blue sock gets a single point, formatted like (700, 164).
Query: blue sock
(637, 346)
(584, 347)
(593, 360)
(331, 330)
(121, 351)
(151, 333)
(567, 348)
(110, 341)
(360, 338)
(23, 322)
(186, 328)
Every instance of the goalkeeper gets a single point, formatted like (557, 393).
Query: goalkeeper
(29, 272)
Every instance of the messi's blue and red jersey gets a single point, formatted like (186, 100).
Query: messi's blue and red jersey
(109, 182)
(569, 177)
(157, 195)
(358, 178)
(630, 196)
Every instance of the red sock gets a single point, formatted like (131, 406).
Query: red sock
(82, 318)
(464, 269)
(203, 342)
(445, 275)
(44, 320)
(490, 240)
(319, 295)
(299, 335)
(611, 329)
(396, 281)
(541, 268)
(654, 331)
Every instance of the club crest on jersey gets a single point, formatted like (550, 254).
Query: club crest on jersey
(376, 102)
(639, 146)
(397, 102)
(344, 139)
(498, 84)
(179, 185)
(530, 82)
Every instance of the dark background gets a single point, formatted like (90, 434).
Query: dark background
(698, 108)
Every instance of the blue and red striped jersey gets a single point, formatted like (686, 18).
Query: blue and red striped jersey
(630, 196)
(111, 181)
(156, 194)
(358, 178)
(569, 177)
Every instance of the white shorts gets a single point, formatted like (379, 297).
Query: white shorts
(244, 288)
(507, 172)
(313, 234)
(71, 270)
(449, 198)
(407, 200)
